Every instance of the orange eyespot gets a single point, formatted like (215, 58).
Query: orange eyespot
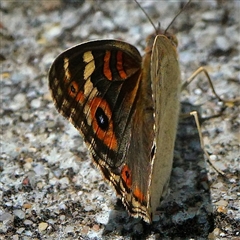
(139, 195)
(73, 89)
(127, 176)
(102, 122)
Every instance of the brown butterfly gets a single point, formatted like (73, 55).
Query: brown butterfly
(126, 108)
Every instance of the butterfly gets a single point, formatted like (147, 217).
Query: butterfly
(126, 107)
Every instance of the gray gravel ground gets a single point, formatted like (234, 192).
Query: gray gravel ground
(49, 187)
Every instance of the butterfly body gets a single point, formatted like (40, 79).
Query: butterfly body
(126, 108)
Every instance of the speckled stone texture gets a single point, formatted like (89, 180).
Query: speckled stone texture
(49, 187)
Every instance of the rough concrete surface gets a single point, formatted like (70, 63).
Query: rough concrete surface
(49, 187)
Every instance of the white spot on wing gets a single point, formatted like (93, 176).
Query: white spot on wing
(90, 66)
(66, 69)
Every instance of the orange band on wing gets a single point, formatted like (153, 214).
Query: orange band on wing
(108, 137)
(138, 194)
(106, 67)
(120, 69)
(80, 97)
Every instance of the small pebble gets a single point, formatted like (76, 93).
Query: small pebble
(15, 237)
(69, 229)
(221, 203)
(27, 166)
(19, 213)
(20, 230)
(42, 226)
(102, 218)
(216, 231)
(95, 227)
(62, 217)
(222, 209)
(218, 185)
(19, 101)
(223, 43)
(210, 16)
(64, 182)
(5, 216)
(213, 157)
(85, 230)
(18, 77)
(28, 222)
(27, 205)
(25, 117)
(68, 21)
(40, 170)
(53, 32)
(36, 103)
(198, 91)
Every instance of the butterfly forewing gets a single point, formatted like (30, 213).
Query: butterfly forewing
(94, 85)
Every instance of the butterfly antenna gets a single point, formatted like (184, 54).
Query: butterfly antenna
(150, 20)
(177, 16)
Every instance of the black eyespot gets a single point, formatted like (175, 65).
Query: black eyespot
(127, 174)
(102, 119)
(73, 90)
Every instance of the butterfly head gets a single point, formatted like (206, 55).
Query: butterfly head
(150, 39)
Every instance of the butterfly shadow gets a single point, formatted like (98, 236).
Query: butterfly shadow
(186, 211)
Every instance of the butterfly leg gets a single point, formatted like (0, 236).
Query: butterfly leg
(209, 158)
(195, 115)
(229, 103)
